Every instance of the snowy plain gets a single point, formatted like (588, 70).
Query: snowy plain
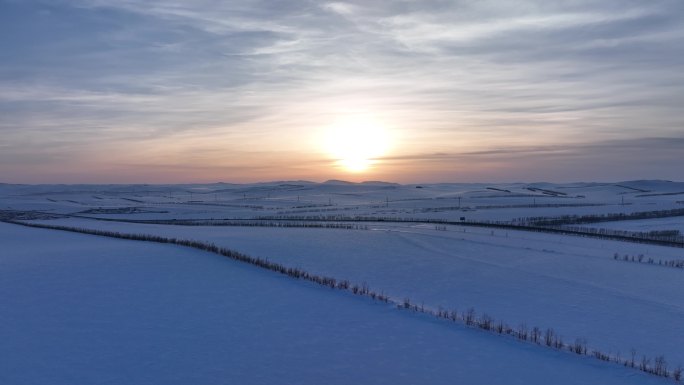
(570, 284)
(85, 309)
(106, 288)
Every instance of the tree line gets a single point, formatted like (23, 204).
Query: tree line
(676, 263)
(596, 218)
(664, 238)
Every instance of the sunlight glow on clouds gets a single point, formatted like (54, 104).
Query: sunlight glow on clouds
(167, 90)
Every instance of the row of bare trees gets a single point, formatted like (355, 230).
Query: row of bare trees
(551, 339)
(256, 223)
(676, 263)
(595, 218)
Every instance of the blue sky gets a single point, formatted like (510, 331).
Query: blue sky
(176, 91)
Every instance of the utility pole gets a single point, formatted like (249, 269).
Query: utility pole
(386, 201)
(459, 202)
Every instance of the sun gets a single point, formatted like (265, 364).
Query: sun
(356, 143)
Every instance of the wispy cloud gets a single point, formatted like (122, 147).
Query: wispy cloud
(85, 77)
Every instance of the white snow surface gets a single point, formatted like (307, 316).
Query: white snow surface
(84, 309)
(81, 309)
(443, 201)
(570, 284)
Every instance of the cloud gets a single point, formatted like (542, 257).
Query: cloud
(565, 150)
(340, 8)
(451, 77)
(610, 160)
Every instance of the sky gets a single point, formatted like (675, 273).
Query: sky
(170, 91)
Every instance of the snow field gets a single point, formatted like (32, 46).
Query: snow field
(86, 309)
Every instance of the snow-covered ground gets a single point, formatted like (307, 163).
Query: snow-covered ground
(80, 309)
(443, 201)
(568, 283)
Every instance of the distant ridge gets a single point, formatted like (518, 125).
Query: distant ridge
(645, 184)
(379, 183)
(338, 182)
